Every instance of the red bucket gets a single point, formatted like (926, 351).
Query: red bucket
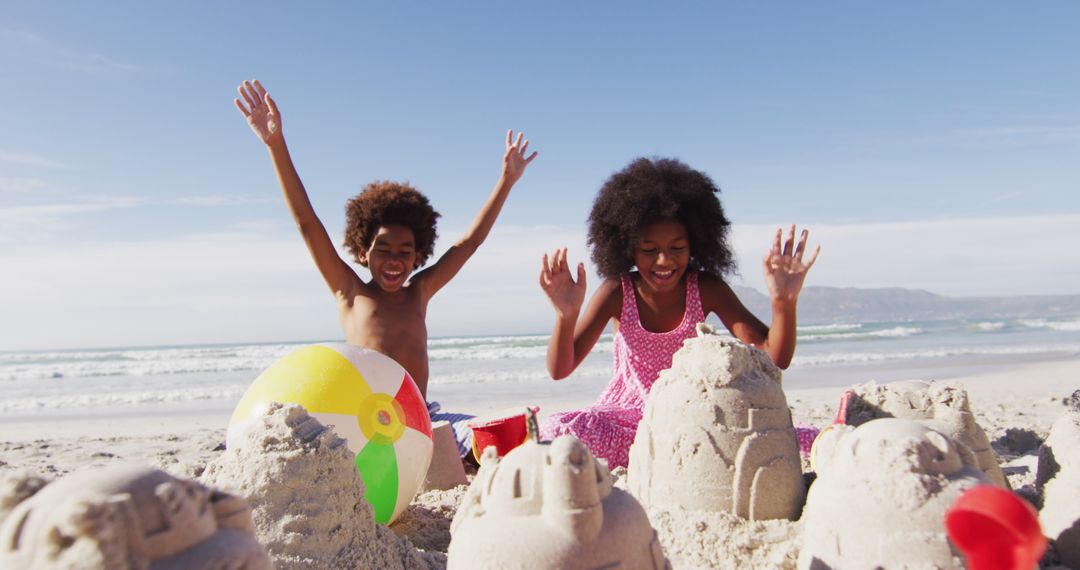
(505, 430)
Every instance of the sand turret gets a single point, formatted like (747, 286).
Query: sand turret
(550, 505)
(1059, 480)
(130, 516)
(942, 406)
(717, 435)
(881, 495)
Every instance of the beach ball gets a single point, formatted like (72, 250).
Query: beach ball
(371, 402)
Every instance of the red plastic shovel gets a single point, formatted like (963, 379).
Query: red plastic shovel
(995, 529)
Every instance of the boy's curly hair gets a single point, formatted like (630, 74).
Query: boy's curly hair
(384, 203)
(649, 190)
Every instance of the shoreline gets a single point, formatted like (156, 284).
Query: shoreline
(810, 390)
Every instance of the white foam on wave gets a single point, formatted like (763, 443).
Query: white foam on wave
(989, 326)
(496, 351)
(139, 362)
(1065, 326)
(894, 332)
(829, 328)
(868, 357)
(435, 343)
(96, 400)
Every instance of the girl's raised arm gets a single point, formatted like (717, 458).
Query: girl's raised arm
(785, 272)
(573, 338)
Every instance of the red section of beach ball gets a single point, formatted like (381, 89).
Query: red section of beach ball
(414, 406)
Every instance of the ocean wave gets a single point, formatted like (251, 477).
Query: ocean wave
(530, 340)
(501, 352)
(162, 367)
(989, 326)
(76, 401)
(894, 332)
(1064, 326)
(869, 357)
(829, 328)
(535, 374)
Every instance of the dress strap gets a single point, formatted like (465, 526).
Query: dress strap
(629, 313)
(694, 313)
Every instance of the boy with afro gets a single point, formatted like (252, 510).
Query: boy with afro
(391, 231)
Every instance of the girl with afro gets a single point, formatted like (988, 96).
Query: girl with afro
(663, 219)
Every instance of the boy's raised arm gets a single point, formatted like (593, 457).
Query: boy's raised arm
(442, 271)
(265, 120)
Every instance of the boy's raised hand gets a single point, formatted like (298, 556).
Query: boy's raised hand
(785, 269)
(261, 111)
(514, 161)
(565, 294)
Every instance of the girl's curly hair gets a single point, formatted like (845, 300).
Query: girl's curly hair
(384, 203)
(654, 189)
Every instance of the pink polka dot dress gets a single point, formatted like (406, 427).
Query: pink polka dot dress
(607, 427)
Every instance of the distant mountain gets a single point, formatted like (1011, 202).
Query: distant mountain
(820, 305)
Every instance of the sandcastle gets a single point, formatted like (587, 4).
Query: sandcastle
(307, 498)
(1059, 480)
(550, 505)
(881, 494)
(129, 516)
(717, 435)
(942, 406)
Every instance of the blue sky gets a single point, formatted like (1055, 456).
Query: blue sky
(927, 145)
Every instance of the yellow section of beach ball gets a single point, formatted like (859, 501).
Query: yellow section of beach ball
(316, 377)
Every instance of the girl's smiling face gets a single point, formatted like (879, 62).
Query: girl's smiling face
(663, 254)
(392, 256)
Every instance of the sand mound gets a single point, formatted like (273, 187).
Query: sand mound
(128, 516)
(881, 494)
(16, 487)
(550, 506)
(717, 435)
(1059, 480)
(943, 406)
(307, 497)
(702, 539)
(426, 522)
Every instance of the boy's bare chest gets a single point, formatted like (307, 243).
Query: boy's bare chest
(376, 316)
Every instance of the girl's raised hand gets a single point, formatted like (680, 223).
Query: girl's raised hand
(565, 294)
(785, 269)
(261, 111)
(514, 161)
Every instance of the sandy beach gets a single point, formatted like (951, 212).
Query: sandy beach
(1015, 401)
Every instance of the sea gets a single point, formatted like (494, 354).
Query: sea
(164, 379)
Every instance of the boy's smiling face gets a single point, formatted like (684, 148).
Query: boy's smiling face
(391, 257)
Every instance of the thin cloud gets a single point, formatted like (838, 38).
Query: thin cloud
(1023, 135)
(22, 185)
(30, 160)
(32, 223)
(1015, 135)
(1023, 255)
(23, 44)
(220, 200)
